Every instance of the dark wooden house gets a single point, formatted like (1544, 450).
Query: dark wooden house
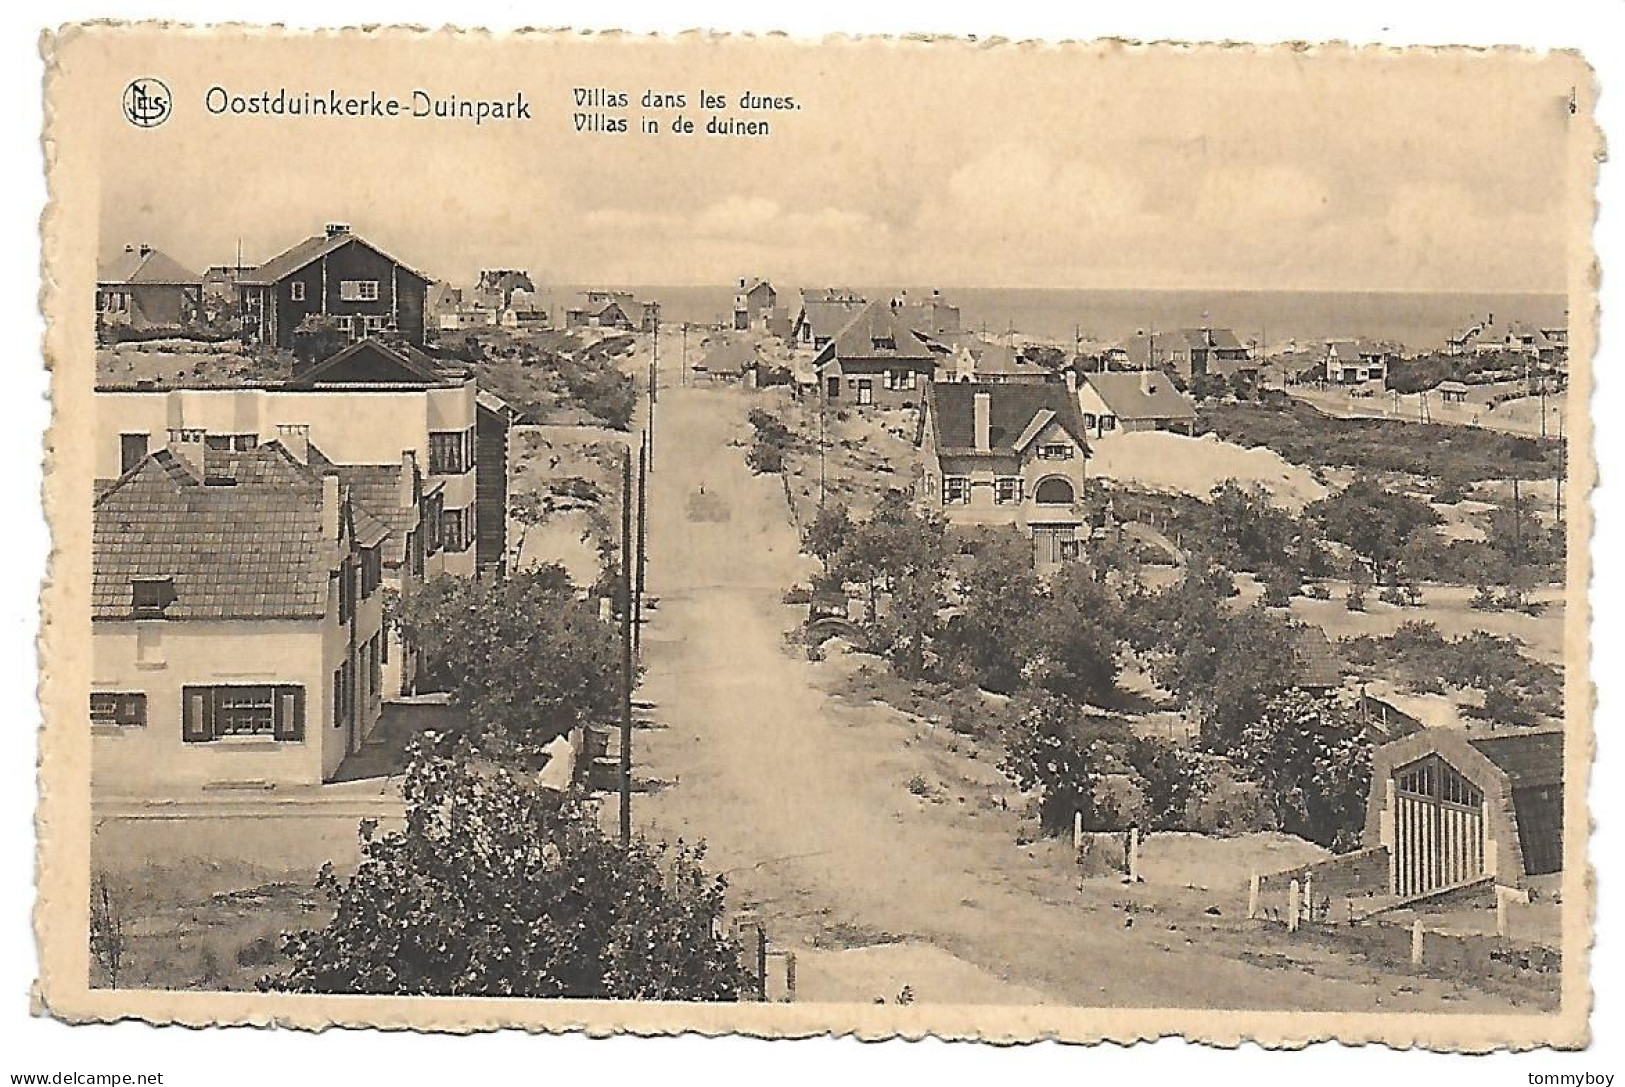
(336, 274)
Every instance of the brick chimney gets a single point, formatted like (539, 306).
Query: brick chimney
(189, 445)
(295, 438)
(982, 413)
(1071, 373)
(336, 229)
(146, 250)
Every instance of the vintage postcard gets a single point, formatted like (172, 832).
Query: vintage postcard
(890, 537)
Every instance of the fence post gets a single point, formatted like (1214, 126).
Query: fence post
(1309, 896)
(1292, 906)
(1503, 927)
(790, 977)
(1252, 897)
(1134, 854)
(761, 960)
(1416, 942)
(1077, 833)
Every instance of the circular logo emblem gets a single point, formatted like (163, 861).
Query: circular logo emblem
(146, 102)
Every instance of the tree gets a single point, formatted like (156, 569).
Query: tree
(1046, 749)
(991, 637)
(827, 533)
(1073, 636)
(497, 887)
(1170, 778)
(894, 542)
(1374, 521)
(318, 338)
(911, 623)
(1313, 761)
(1226, 665)
(522, 656)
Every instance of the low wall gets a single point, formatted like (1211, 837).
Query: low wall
(291, 836)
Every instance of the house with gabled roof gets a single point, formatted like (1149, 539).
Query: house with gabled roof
(611, 312)
(1194, 352)
(336, 275)
(369, 404)
(236, 621)
(1008, 454)
(1354, 362)
(1130, 401)
(878, 358)
(1456, 807)
(824, 312)
(972, 358)
(754, 301)
(144, 288)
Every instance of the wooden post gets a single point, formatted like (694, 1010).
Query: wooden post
(1134, 854)
(761, 961)
(642, 547)
(1292, 906)
(1416, 942)
(626, 648)
(1503, 927)
(789, 977)
(1252, 897)
(1077, 833)
(1309, 896)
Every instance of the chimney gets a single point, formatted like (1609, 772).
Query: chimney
(189, 446)
(129, 249)
(741, 282)
(330, 507)
(1148, 383)
(146, 250)
(295, 438)
(335, 229)
(1071, 373)
(982, 412)
(407, 491)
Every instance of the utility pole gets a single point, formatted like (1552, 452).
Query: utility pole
(683, 377)
(822, 401)
(644, 467)
(654, 384)
(626, 648)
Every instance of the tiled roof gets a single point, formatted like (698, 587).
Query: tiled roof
(1527, 758)
(375, 490)
(997, 359)
(1012, 408)
(1318, 665)
(153, 268)
(1144, 395)
(868, 332)
(370, 361)
(250, 550)
(291, 260)
(825, 317)
(729, 357)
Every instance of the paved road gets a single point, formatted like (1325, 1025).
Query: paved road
(803, 798)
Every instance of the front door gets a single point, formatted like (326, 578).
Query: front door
(1438, 828)
(866, 391)
(832, 388)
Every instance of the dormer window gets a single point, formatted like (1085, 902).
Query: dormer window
(152, 596)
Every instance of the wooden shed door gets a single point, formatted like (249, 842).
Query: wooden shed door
(1438, 827)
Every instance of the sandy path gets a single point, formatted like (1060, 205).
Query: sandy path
(803, 799)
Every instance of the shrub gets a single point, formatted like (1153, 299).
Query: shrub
(1228, 805)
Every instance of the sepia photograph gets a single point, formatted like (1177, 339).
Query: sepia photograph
(733, 533)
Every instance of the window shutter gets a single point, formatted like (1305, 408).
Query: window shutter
(197, 715)
(290, 713)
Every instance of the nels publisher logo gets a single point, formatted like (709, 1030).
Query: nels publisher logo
(147, 103)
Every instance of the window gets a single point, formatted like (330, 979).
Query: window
(132, 450)
(273, 711)
(429, 517)
(372, 571)
(1007, 489)
(123, 708)
(346, 587)
(358, 290)
(1089, 419)
(901, 379)
(451, 452)
(955, 490)
(296, 290)
(371, 326)
(1054, 491)
(1108, 422)
(375, 660)
(152, 596)
(343, 693)
(456, 529)
(1055, 451)
(239, 443)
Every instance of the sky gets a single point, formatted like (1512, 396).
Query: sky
(942, 163)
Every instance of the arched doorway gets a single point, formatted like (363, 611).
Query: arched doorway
(1438, 827)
